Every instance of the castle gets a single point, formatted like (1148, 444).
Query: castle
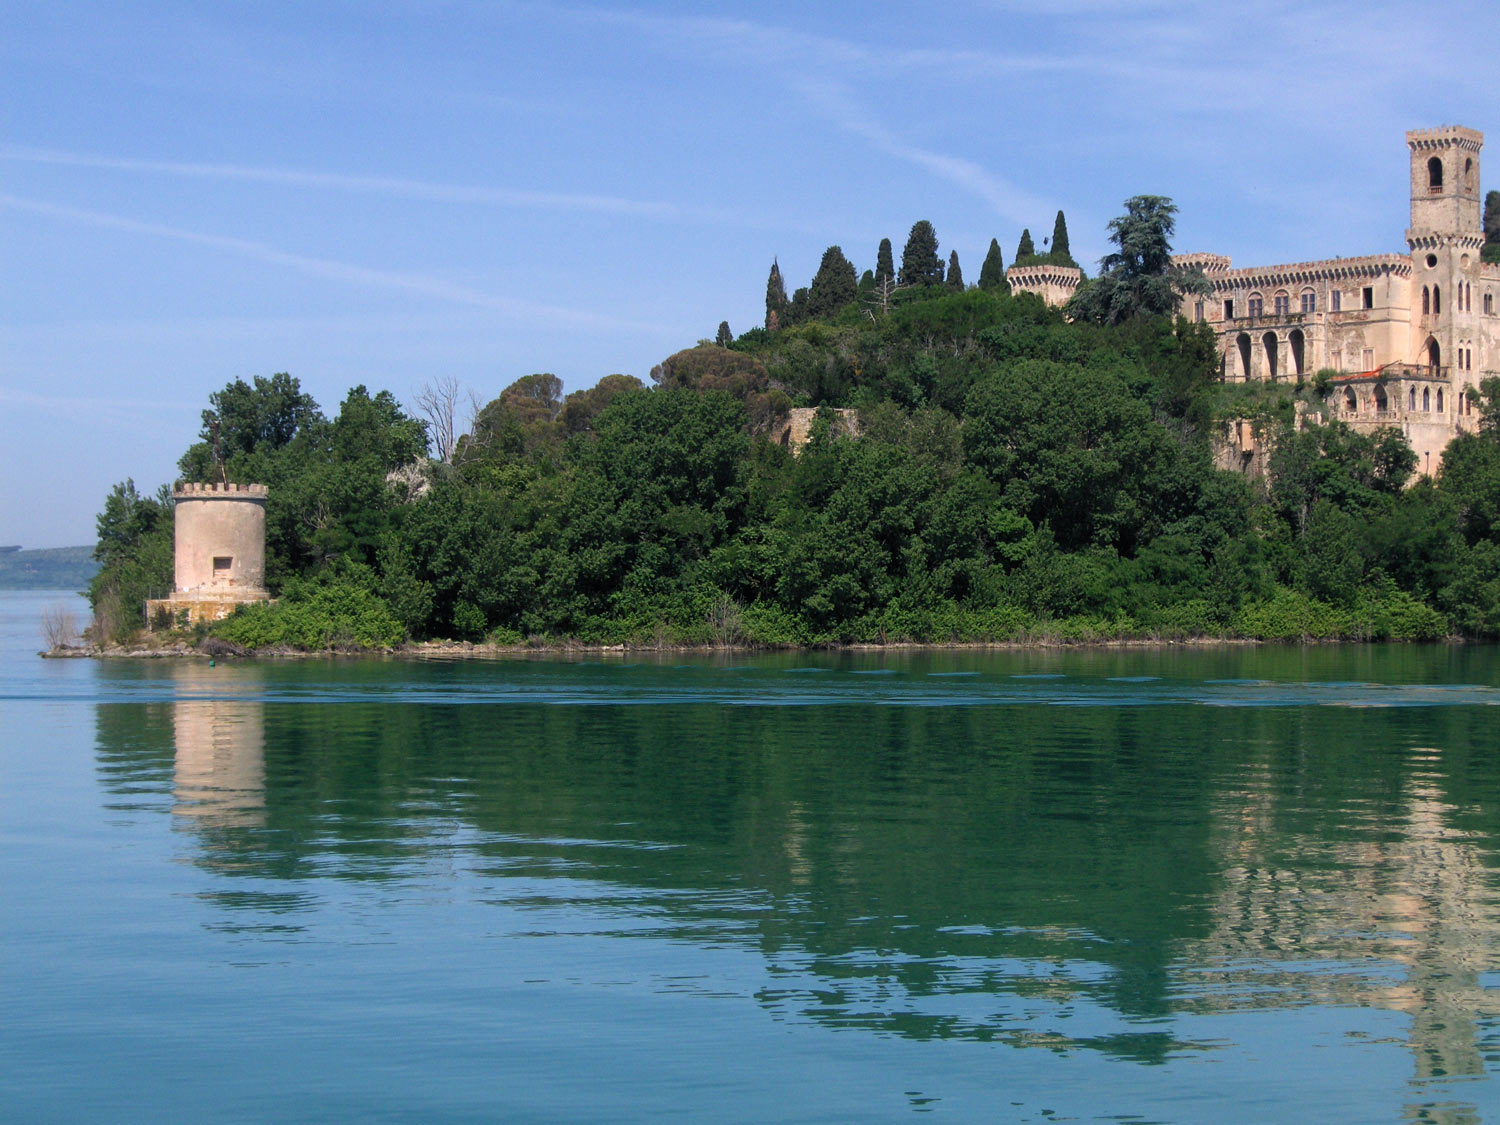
(1406, 334)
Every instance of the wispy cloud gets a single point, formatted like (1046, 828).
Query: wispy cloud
(381, 185)
(419, 284)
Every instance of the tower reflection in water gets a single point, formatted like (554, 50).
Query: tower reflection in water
(219, 765)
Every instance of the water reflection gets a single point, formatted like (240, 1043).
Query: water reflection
(1064, 878)
(219, 765)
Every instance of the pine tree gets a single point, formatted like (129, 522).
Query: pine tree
(955, 275)
(1026, 249)
(1060, 254)
(833, 286)
(885, 268)
(776, 302)
(992, 273)
(724, 337)
(920, 264)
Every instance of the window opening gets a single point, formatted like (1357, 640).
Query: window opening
(1309, 302)
(1369, 297)
(1435, 174)
(1256, 305)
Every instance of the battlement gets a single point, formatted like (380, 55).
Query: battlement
(1208, 263)
(189, 490)
(1445, 136)
(1031, 277)
(1333, 269)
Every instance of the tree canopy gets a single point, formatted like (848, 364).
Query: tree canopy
(992, 272)
(1139, 278)
(920, 264)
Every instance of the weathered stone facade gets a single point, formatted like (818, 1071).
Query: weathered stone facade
(1404, 334)
(794, 429)
(220, 551)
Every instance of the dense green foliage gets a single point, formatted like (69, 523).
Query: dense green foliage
(955, 274)
(1014, 474)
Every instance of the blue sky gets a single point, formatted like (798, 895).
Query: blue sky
(390, 193)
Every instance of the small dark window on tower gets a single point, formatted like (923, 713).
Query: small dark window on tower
(1336, 300)
(1489, 304)
(1229, 309)
(1369, 297)
(221, 565)
(1437, 300)
(1426, 301)
(1469, 172)
(1435, 174)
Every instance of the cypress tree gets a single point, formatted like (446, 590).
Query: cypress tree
(1491, 251)
(833, 286)
(885, 268)
(776, 302)
(1060, 253)
(992, 273)
(955, 275)
(725, 337)
(796, 310)
(1026, 249)
(920, 264)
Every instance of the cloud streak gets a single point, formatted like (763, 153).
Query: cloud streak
(418, 284)
(379, 185)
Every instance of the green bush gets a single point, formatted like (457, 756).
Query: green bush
(338, 614)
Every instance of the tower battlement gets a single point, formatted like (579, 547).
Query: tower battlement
(191, 490)
(1445, 136)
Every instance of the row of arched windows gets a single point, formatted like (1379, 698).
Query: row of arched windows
(1432, 301)
(1411, 399)
(1435, 173)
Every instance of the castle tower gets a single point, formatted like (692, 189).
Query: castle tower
(1445, 241)
(220, 552)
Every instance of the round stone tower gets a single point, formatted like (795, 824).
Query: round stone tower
(220, 532)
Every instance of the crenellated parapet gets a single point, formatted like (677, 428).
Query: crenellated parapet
(1309, 273)
(1445, 136)
(193, 490)
(1054, 284)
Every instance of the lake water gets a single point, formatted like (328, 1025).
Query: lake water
(1184, 885)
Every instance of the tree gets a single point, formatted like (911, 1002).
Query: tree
(249, 419)
(1491, 252)
(724, 337)
(1139, 278)
(1025, 249)
(920, 264)
(438, 402)
(992, 273)
(955, 275)
(885, 269)
(833, 286)
(776, 302)
(1060, 253)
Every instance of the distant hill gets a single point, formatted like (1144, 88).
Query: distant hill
(55, 568)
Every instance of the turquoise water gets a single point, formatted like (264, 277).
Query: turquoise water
(1189, 885)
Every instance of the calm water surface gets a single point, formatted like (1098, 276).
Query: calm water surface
(1161, 886)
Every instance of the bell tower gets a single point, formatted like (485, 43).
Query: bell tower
(1445, 240)
(1444, 180)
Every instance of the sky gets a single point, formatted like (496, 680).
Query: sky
(389, 194)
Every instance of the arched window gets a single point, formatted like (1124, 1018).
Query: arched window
(1435, 174)
(1426, 301)
(1351, 404)
(1281, 303)
(1257, 305)
(1299, 350)
(1268, 341)
(1440, 400)
(1469, 172)
(1437, 300)
(1380, 400)
(1489, 304)
(1434, 356)
(1411, 399)
(1309, 302)
(1426, 400)
(1243, 343)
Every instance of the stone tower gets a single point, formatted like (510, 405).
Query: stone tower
(1445, 241)
(220, 551)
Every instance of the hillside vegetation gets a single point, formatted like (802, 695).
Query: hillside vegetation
(1016, 475)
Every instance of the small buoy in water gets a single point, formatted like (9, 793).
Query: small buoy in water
(210, 662)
